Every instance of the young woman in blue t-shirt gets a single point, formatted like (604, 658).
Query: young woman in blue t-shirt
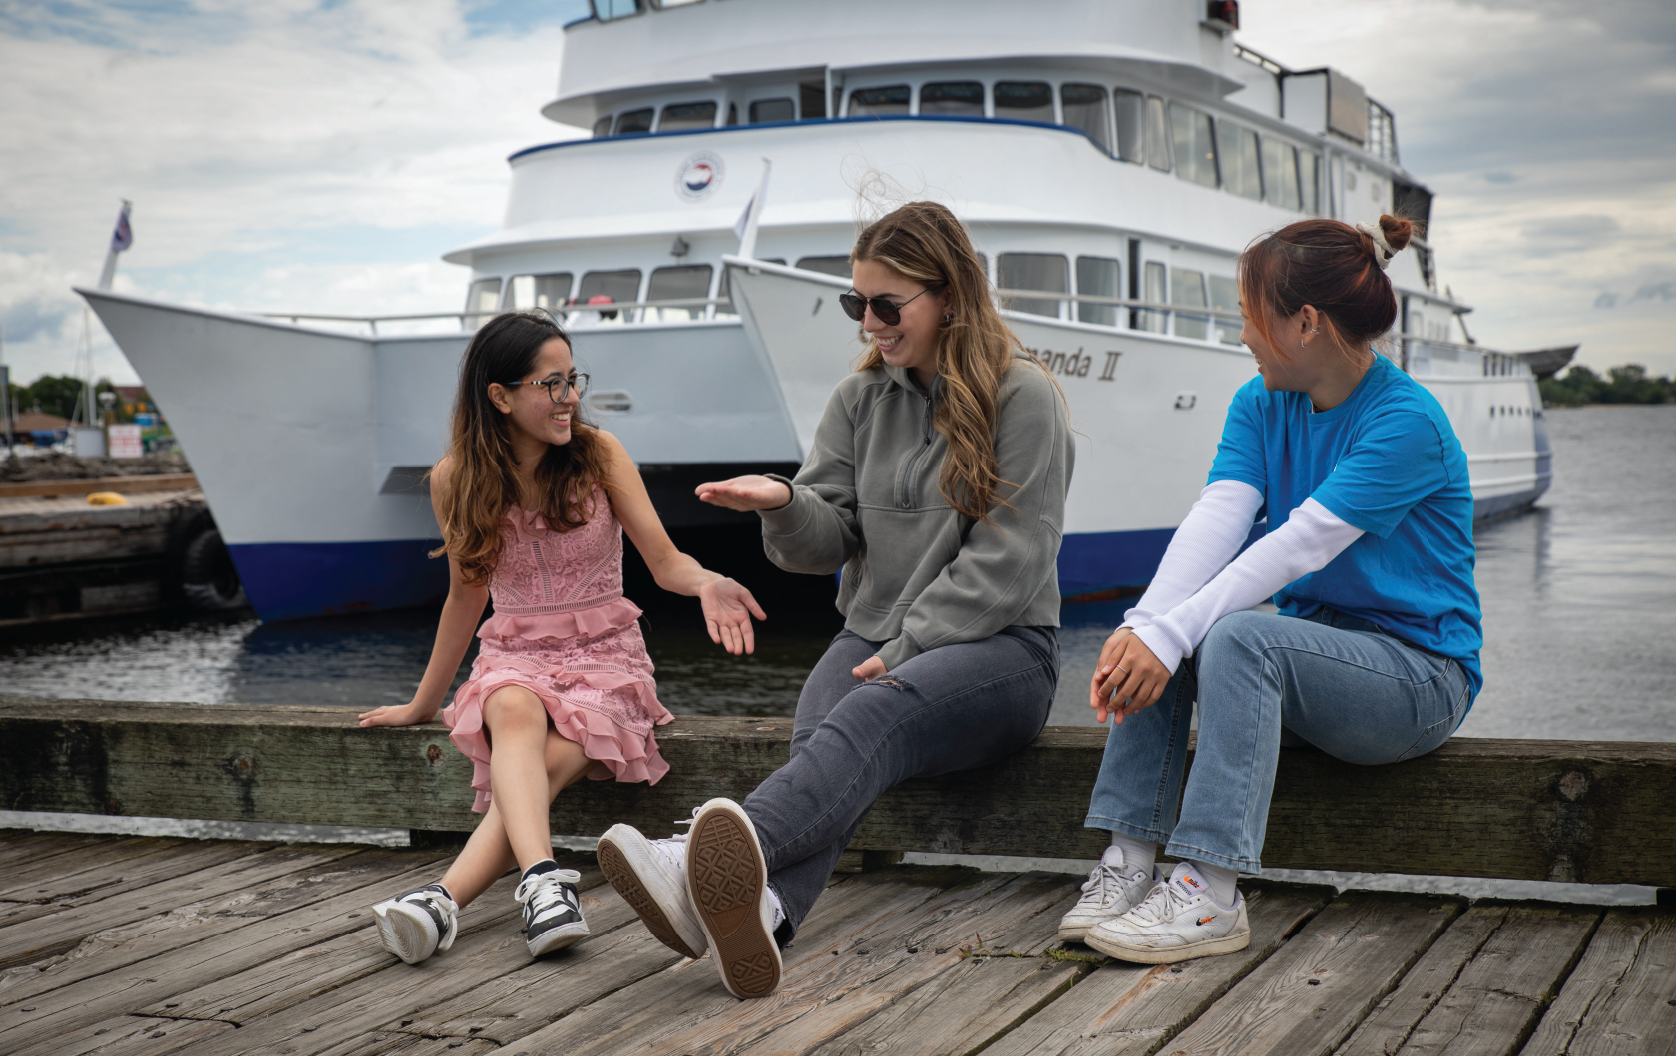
(1373, 656)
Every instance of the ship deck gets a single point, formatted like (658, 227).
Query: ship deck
(117, 945)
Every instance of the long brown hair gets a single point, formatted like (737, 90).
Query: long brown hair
(923, 241)
(1329, 265)
(482, 479)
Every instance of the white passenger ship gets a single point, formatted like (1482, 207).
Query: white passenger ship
(1111, 157)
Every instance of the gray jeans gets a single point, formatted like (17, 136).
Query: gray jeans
(951, 708)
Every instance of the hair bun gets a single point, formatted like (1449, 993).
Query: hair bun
(1398, 231)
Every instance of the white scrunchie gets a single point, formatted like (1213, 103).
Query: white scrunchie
(1383, 249)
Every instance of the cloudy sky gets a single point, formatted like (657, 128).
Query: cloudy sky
(321, 154)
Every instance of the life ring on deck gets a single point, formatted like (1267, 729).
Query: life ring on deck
(209, 581)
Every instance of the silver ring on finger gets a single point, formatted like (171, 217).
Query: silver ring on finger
(1122, 668)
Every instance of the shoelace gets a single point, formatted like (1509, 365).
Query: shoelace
(446, 909)
(1165, 901)
(1105, 884)
(540, 892)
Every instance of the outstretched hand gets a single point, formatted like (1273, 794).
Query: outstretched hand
(408, 714)
(728, 610)
(750, 492)
(1128, 678)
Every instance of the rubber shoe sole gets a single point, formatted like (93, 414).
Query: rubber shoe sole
(729, 882)
(1123, 951)
(625, 858)
(557, 938)
(403, 934)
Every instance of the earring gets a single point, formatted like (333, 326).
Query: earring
(949, 317)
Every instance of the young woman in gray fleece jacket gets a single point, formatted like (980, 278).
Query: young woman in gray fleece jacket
(937, 482)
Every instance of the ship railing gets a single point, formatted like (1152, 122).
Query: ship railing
(617, 311)
(1148, 316)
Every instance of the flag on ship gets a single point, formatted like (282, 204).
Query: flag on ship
(122, 236)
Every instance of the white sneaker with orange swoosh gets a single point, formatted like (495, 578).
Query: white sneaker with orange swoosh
(1177, 921)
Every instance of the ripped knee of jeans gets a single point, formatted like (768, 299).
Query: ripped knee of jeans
(891, 682)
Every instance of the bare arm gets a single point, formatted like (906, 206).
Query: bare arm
(728, 607)
(461, 613)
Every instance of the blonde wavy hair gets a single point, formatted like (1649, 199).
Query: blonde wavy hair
(924, 241)
(481, 483)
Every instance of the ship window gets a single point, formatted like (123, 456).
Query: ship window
(1196, 153)
(1084, 106)
(812, 101)
(1188, 288)
(547, 292)
(733, 114)
(1310, 181)
(1097, 277)
(1238, 148)
(1033, 271)
(1225, 297)
(953, 97)
(679, 117)
(606, 10)
(633, 121)
(674, 3)
(602, 127)
(1024, 100)
(675, 284)
(1158, 135)
(608, 287)
(877, 102)
(483, 297)
(1281, 173)
(839, 266)
(1128, 107)
(771, 110)
(1155, 294)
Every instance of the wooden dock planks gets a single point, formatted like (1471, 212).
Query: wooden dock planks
(252, 949)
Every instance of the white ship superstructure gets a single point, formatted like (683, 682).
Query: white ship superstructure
(1111, 159)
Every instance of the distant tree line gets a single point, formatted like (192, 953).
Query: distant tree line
(58, 395)
(1627, 384)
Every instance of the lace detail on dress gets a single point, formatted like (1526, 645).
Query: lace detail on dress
(537, 564)
(562, 666)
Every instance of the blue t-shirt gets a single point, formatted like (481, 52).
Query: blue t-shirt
(1385, 461)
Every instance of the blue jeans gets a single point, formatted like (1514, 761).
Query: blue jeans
(951, 708)
(1265, 681)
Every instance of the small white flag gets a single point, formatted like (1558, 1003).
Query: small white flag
(745, 217)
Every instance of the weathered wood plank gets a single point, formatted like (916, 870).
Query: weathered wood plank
(973, 1001)
(1619, 999)
(381, 871)
(137, 1036)
(1533, 810)
(678, 1010)
(88, 485)
(96, 870)
(383, 1044)
(20, 847)
(1130, 1009)
(106, 998)
(1321, 984)
(1491, 1007)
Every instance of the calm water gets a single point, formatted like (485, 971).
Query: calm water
(1578, 600)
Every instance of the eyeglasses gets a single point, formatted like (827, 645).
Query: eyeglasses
(559, 388)
(856, 306)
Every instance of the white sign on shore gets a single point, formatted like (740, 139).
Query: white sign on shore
(125, 441)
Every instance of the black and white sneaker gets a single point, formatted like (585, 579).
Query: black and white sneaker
(552, 914)
(416, 925)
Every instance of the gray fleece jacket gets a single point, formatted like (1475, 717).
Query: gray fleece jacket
(917, 575)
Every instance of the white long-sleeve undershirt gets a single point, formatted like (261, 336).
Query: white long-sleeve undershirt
(1211, 534)
(1312, 537)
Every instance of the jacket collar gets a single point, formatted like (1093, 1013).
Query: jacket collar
(905, 378)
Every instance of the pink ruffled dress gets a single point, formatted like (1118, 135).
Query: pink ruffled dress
(563, 630)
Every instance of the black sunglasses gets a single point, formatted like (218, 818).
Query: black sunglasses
(856, 306)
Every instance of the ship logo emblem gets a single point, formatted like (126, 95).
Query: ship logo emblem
(698, 177)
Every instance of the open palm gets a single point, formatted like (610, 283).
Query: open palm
(728, 609)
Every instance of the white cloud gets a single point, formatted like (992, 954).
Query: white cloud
(249, 136)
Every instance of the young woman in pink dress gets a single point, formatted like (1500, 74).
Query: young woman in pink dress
(533, 504)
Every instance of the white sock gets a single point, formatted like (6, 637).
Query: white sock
(1131, 853)
(1217, 881)
(779, 915)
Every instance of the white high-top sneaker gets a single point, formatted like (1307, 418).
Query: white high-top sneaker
(651, 875)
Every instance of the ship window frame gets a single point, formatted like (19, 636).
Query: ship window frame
(1104, 140)
(1095, 313)
(1195, 123)
(1185, 326)
(1216, 287)
(751, 117)
(1158, 136)
(607, 121)
(638, 8)
(617, 128)
(983, 93)
(478, 291)
(1230, 169)
(1024, 304)
(1277, 185)
(1048, 89)
(510, 304)
(668, 315)
(1140, 135)
(907, 102)
(693, 103)
(1156, 290)
(607, 315)
(1310, 186)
